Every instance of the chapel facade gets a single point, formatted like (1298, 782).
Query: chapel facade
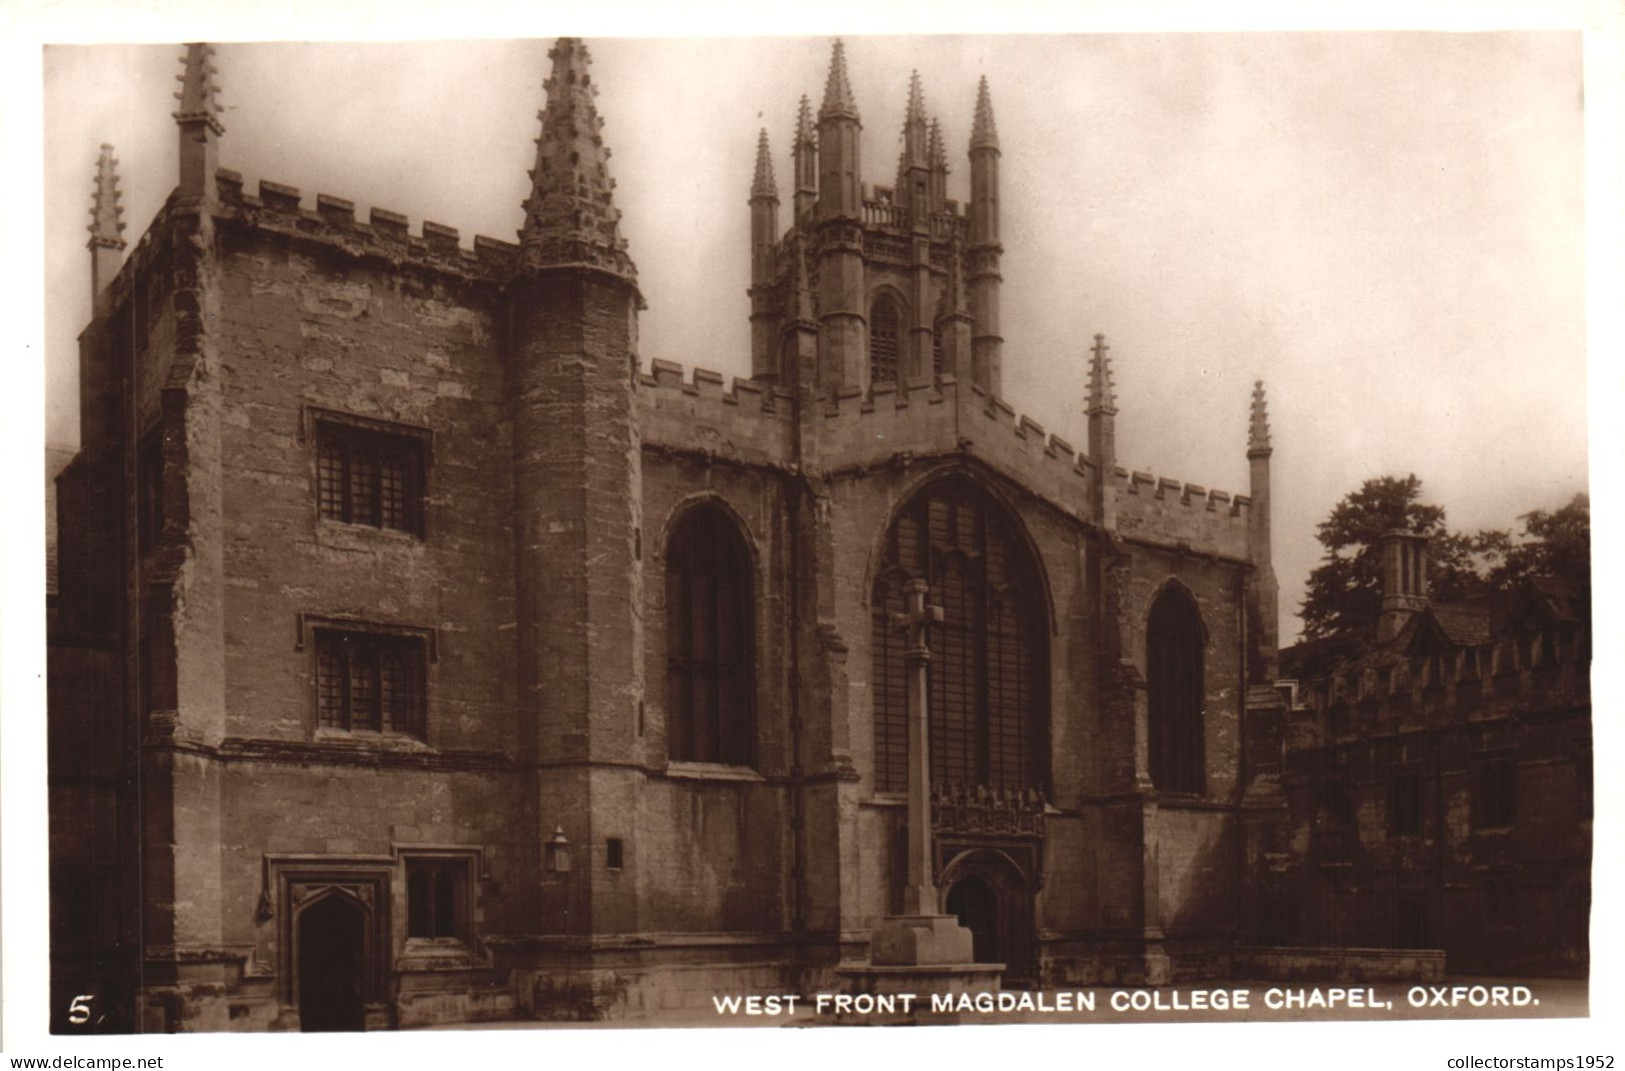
(420, 656)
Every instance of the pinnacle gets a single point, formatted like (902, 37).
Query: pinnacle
(804, 125)
(937, 152)
(1102, 393)
(106, 214)
(916, 101)
(199, 94)
(570, 216)
(1258, 431)
(838, 100)
(983, 135)
(764, 184)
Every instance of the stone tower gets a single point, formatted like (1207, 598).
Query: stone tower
(573, 307)
(898, 273)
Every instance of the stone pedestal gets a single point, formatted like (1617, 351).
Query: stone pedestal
(920, 940)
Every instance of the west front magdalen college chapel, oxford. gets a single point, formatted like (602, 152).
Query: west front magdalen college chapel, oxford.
(418, 655)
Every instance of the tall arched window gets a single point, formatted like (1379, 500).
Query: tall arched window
(885, 333)
(1176, 690)
(988, 656)
(710, 715)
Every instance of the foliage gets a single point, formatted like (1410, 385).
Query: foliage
(1345, 590)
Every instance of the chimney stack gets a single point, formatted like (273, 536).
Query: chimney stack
(1404, 581)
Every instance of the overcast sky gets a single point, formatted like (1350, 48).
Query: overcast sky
(1385, 227)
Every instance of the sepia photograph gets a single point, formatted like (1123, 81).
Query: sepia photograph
(832, 530)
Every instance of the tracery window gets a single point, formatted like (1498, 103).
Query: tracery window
(1175, 690)
(989, 659)
(708, 641)
(885, 332)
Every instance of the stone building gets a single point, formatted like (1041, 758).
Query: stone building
(1439, 774)
(422, 657)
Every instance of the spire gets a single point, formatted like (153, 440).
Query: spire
(805, 138)
(916, 153)
(916, 101)
(804, 157)
(936, 150)
(198, 94)
(983, 134)
(764, 184)
(570, 217)
(838, 99)
(106, 214)
(1102, 392)
(1258, 431)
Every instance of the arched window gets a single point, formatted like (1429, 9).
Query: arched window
(1176, 689)
(988, 656)
(710, 715)
(885, 332)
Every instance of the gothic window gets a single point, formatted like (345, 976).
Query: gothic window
(437, 897)
(1176, 689)
(708, 641)
(368, 682)
(885, 334)
(369, 476)
(986, 678)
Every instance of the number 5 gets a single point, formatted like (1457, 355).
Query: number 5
(79, 1010)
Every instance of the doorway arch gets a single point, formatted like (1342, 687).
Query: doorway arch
(331, 950)
(993, 899)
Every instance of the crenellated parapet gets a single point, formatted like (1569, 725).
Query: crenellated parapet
(1180, 516)
(744, 423)
(280, 211)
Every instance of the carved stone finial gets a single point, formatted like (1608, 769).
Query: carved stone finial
(1102, 392)
(570, 215)
(764, 184)
(199, 95)
(983, 134)
(106, 214)
(1258, 431)
(838, 99)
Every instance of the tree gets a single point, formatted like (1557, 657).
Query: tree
(1555, 544)
(1345, 590)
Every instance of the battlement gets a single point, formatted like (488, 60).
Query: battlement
(1165, 510)
(749, 423)
(1544, 669)
(384, 234)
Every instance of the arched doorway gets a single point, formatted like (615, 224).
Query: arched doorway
(993, 898)
(977, 908)
(332, 964)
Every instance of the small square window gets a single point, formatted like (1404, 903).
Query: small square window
(367, 682)
(614, 854)
(370, 476)
(437, 900)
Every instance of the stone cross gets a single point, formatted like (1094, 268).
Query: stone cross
(919, 894)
